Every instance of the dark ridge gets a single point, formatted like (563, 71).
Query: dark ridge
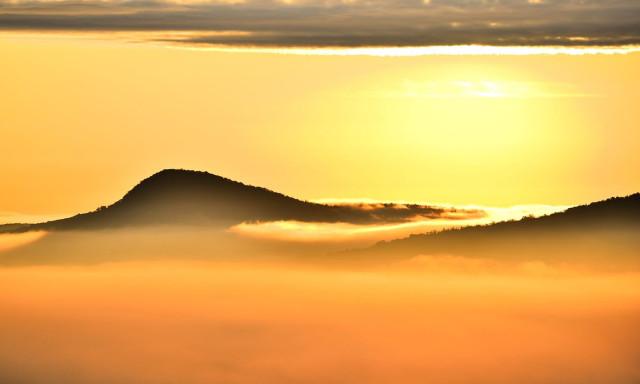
(608, 229)
(609, 213)
(8, 228)
(176, 196)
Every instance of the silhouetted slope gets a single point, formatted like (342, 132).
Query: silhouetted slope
(607, 230)
(5, 228)
(188, 197)
(177, 196)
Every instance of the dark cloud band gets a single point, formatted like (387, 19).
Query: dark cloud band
(317, 23)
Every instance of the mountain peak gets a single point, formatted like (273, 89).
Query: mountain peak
(181, 172)
(179, 196)
(178, 181)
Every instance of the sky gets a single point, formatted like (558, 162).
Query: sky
(493, 103)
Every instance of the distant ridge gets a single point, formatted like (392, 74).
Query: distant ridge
(177, 196)
(605, 231)
(604, 234)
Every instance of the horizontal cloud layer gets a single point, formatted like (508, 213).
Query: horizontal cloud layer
(349, 23)
(392, 221)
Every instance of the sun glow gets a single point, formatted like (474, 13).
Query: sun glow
(9, 241)
(485, 129)
(480, 88)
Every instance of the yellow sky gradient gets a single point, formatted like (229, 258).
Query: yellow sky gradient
(82, 121)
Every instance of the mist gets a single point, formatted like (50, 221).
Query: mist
(187, 305)
(196, 322)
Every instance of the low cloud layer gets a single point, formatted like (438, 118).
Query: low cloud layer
(315, 23)
(436, 320)
(380, 213)
(392, 222)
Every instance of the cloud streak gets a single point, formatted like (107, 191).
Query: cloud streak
(474, 89)
(387, 229)
(346, 24)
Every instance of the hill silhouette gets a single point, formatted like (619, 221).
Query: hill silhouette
(601, 232)
(175, 196)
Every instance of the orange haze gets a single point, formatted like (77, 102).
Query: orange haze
(179, 322)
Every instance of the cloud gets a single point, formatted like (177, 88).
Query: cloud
(377, 213)
(474, 89)
(393, 224)
(348, 24)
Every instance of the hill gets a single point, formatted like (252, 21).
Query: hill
(175, 196)
(606, 232)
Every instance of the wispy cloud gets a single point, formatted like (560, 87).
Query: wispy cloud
(476, 89)
(345, 24)
(8, 241)
(386, 230)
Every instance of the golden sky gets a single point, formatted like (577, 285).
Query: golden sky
(83, 120)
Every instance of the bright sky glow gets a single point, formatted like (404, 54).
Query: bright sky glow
(483, 128)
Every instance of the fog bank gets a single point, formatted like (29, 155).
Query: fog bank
(436, 320)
